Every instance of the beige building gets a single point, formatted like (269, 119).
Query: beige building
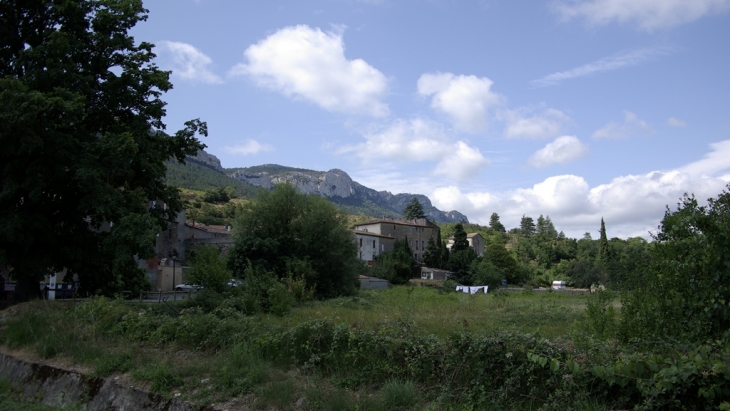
(371, 245)
(476, 241)
(416, 231)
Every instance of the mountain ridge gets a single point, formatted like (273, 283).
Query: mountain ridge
(335, 185)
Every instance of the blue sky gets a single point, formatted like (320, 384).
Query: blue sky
(576, 109)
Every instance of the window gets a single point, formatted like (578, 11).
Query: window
(422, 246)
(382, 247)
(373, 243)
(416, 245)
(410, 228)
(415, 257)
(361, 242)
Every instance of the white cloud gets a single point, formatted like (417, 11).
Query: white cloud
(616, 62)
(466, 99)
(631, 126)
(631, 205)
(675, 122)
(563, 150)
(308, 63)
(461, 163)
(249, 147)
(519, 123)
(189, 63)
(419, 140)
(648, 14)
(714, 162)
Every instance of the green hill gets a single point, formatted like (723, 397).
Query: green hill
(196, 176)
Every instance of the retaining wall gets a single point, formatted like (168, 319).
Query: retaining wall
(58, 387)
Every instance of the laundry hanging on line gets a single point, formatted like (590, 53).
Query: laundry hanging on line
(472, 290)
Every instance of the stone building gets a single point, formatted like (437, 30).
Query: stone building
(416, 231)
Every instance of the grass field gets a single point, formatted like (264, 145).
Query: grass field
(433, 312)
(150, 346)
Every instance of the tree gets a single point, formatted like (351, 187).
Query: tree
(603, 251)
(546, 229)
(83, 159)
(414, 210)
(686, 286)
(432, 256)
(495, 223)
(396, 266)
(460, 241)
(293, 234)
(208, 269)
(527, 226)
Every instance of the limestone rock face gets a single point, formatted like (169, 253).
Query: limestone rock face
(337, 186)
(208, 159)
(255, 179)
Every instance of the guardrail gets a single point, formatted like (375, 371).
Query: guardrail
(161, 296)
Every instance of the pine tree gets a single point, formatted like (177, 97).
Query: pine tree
(527, 226)
(460, 241)
(495, 223)
(414, 210)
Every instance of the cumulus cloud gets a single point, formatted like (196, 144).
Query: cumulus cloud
(714, 162)
(631, 126)
(521, 123)
(563, 150)
(465, 99)
(189, 63)
(249, 147)
(649, 15)
(419, 140)
(616, 62)
(631, 204)
(310, 64)
(675, 122)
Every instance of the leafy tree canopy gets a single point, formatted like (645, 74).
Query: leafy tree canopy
(83, 152)
(685, 291)
(396, 266)
(414, 210)
(295, 235)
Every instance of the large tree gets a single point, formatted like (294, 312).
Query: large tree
(292, 234)
(82, 165)
(414, 210)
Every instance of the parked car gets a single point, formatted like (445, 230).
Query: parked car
(188, 287)
(234, 282)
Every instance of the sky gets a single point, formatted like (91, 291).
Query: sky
(574, 109)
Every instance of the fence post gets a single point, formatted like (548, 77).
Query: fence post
(174, 295)
(159, 297)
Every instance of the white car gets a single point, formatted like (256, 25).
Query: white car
(188, 287)
(234, 282)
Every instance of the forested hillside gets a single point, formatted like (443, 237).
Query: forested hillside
(196, 176)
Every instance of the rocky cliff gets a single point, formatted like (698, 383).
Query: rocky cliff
(207, 159)
(339, 188)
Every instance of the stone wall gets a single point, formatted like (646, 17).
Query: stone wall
(58, 388)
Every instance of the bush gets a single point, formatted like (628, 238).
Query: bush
(283, 231)
(208, 269)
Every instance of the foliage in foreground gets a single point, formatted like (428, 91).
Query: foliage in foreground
(499, 370)
(83, 146)
(685, 293)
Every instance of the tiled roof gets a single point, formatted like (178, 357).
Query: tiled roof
(473, 235)
(414, 223)
(372, 234)
(220, 229)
